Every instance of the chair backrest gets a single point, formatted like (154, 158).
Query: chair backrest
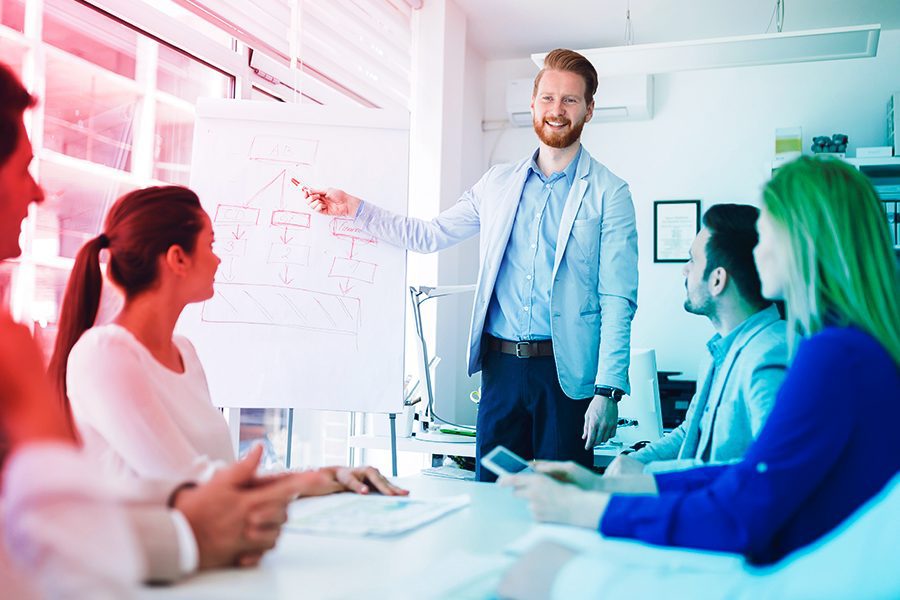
(643, 403)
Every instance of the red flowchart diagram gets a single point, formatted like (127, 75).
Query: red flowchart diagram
(269, 265)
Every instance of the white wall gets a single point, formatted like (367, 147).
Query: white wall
(446, 142)
(712, 138)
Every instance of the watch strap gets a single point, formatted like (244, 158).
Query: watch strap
(609, 392)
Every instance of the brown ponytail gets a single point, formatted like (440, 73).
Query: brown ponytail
(141, 226)
(79, 310)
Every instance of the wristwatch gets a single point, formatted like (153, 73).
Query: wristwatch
(609, 392)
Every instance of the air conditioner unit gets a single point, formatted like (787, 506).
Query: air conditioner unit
(518, 101)
(621, 98)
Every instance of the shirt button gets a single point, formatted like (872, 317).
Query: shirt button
(533, 246)
(548, 186)
(762, 467)
(525, 308)
(528, 277)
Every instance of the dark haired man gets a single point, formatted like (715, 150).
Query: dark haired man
(557, 280)
(738, 381)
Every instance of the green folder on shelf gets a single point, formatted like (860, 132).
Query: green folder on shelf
(457, 431)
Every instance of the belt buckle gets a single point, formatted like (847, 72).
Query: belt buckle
(519, 346)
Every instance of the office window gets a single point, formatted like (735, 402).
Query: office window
(12, 14)
(269, 427)
(351, 52)
(116, 113)
(117, 109)
(83, 32)
(12, 51)
(89, 112)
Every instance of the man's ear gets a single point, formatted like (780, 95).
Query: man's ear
(176, 259)
(718, 281)
(590, 112)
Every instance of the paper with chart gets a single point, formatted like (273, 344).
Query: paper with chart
(357, 515)
(308, 309)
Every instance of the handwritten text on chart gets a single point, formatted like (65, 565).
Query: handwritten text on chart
(289, 254)
(232, 215)
(290, 218)
(345, 228)
(353, 269)
(284, 150)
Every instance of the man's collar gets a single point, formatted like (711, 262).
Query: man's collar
(569, 171)
(718, 346)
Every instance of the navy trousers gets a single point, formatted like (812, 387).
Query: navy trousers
(523, 408)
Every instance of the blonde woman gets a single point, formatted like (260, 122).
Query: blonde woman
(830, 443)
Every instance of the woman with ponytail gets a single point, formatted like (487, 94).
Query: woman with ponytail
(137, 392)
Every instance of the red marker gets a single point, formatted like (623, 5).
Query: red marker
(300, 185)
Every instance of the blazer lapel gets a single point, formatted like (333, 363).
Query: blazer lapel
(500, 228)
(721, 380)
(691, 437)
(573, 203)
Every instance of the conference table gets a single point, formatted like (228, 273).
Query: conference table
(427, 562)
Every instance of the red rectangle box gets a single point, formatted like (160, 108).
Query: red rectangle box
(226, 245)
(289, 254)
(227, 214)
(353, 269)
(290, 218)
(344, 228)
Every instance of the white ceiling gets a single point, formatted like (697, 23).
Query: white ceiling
(516, 28)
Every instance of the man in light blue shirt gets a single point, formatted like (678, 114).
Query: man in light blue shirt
(557, 280)
(520, 306)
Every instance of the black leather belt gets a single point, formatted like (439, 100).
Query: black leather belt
(520, 349)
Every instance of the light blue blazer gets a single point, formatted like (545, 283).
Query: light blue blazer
(732, 401)
(594, 291)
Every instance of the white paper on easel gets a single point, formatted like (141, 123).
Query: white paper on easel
(308, 310)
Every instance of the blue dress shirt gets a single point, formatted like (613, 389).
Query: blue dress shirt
(520, 305)
(829, 445)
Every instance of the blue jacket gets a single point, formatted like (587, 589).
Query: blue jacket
(829, 445)
(594, 293)
(736, 391)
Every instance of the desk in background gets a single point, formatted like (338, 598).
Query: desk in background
(449, 445)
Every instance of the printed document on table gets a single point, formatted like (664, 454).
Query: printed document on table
(357, 515)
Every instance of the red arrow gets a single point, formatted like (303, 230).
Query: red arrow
(345, 286)
(284, 237)
(237, 233)
(284, 276)
(352, 246)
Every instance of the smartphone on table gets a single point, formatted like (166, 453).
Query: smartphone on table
(502, 461)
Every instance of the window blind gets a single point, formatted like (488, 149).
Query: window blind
(359, 48)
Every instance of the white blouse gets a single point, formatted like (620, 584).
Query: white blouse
(63, 534)
(138, 418)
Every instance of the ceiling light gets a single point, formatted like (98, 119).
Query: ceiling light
(735, 51)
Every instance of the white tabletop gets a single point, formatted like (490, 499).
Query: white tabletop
(307, 566)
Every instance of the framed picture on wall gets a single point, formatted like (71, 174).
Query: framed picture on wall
(675, 225)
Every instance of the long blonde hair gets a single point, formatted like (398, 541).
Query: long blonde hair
(842, 268)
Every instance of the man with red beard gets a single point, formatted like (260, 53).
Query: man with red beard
(557, 284)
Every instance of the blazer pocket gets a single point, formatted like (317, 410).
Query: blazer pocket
(586, 236)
